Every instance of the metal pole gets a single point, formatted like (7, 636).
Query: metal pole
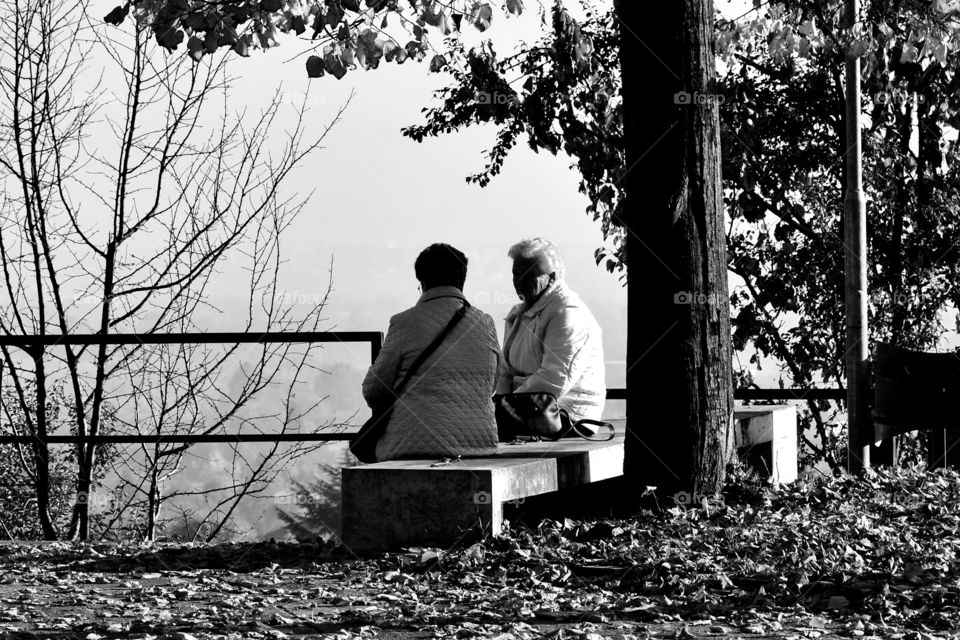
(855, 271)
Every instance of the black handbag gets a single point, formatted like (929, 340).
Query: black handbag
(537, 414)
(363, 445)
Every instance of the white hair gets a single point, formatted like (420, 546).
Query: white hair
(539, 249)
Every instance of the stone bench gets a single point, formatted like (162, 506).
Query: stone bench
(420, 503)
(766, 438)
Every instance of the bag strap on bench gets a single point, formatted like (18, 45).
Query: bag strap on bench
(590, 434)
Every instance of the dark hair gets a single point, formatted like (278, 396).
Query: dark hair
(441, 265)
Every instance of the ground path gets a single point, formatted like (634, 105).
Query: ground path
(847, 559)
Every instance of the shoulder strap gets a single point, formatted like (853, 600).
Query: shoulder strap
(591, 434)
(461, 312)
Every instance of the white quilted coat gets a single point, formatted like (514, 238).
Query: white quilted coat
(446, 409)
(556, 346)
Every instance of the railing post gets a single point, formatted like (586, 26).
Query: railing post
(859, 426)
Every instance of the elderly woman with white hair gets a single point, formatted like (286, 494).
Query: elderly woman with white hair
(552, 342)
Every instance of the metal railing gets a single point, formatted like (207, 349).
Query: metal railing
(34, 344)
(37, 344)
(763, 394)
(31, 343)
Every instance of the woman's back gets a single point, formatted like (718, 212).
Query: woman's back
(445, 410)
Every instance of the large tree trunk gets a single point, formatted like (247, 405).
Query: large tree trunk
(679, 371)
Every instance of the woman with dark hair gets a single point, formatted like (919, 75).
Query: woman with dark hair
(445, 408)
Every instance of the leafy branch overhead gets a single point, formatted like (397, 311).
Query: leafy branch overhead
(348, 33)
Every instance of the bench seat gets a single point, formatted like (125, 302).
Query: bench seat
(417, 502)
(420, 503)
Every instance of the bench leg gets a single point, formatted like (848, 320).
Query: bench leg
(384, 509)
(772, 437)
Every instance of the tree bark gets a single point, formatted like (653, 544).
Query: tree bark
(153, 500)
(679, 369)
(41, 452)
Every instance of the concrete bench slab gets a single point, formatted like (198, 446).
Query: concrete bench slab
(420, 503)
(417, 502)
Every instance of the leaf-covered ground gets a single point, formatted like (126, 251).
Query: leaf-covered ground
(871, 557)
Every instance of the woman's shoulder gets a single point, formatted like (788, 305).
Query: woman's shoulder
(403, 318)
(564, 298)
(567, 303)
(479, 316)
(400, 317)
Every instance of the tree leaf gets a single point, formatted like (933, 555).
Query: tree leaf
(438, 62)
(347, 54)
(333, 64)
(394, 52)
(482, 16)
(211, 41)
(314, 67)
(333, 16)
(369, 51)
(118, 15)
(298, 24)
(195, 47)
(195, 21)
(267, 36)
(170, 38)
(430, 16)
(242, 46)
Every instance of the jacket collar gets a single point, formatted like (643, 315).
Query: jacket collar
(556, 291)
(440, 292)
